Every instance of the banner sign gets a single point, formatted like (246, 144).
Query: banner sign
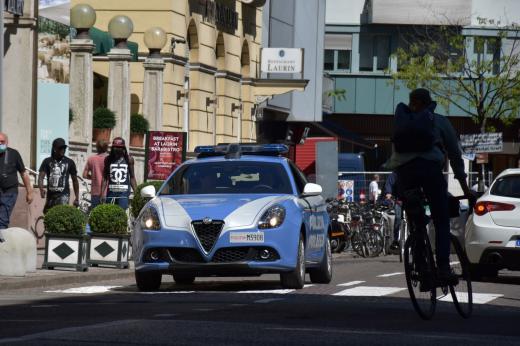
(282, 60)
(164, 152)
(14, 7)
(482, 143)
(346, 190)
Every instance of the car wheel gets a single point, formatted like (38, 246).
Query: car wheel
(183, 278)
(296, 278)
(478, 272)
(323, 274)
(148, 281)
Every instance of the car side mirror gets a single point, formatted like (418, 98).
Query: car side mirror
(148, 191)
(312, 190)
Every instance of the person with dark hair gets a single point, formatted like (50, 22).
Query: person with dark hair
(58, 168)
(118, 175)
(421, 141)
(94, 171)
(373, 189)
(11, 164)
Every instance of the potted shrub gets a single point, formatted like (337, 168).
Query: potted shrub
(108, 243)
(65, 239)
(103, 123)
(138, 202)
(138, 127)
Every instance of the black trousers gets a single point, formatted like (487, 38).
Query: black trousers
(425, 174)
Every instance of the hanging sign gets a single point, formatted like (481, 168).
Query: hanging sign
(282, 60)
(164, 151)
(482, 143)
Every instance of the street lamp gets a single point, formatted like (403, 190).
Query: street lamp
(155, 40)
(82, 18)
(120, 28)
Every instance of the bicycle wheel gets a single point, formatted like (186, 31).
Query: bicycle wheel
(374, 242)
(402, 238)
(419, 269)
(357, 244)
(462, 294)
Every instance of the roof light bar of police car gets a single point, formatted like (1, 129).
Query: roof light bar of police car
(235, 150)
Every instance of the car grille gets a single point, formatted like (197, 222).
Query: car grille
(240, 254)
(208, 233)
(186, 255)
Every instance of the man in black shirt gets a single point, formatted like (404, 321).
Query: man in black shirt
(10, 164)
(58, 168)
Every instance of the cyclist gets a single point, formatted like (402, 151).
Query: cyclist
(421, 140)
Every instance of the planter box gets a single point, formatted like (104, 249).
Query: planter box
(136, 140)
(65, 251)
(109, 250)
(101, 134)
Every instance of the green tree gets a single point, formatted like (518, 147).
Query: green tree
(478, 75)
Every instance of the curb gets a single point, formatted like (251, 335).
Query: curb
(57, 280)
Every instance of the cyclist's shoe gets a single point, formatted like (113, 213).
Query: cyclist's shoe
(446, 277)
(394, 246)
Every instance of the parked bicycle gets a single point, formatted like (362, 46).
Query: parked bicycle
(420, 266)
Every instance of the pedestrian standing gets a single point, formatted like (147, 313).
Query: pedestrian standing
(373, 189)
(390, 195)
(58, 168)
(118, 175)
(11, 164)
(94, 172)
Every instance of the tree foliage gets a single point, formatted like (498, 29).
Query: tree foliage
(478, 75)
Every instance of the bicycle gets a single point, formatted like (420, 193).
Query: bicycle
(420, 266)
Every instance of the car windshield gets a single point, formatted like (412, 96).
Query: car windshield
(229, 177)
(508, 186)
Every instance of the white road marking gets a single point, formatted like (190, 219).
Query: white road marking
(167, 292)
(478, 298)
(307, 286)
(388, 275)
(268, 300)
(351, 283)
(268, 291)
(454, 263)
(368, 291)
(86, 290)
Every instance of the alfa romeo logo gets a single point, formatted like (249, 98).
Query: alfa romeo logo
(207, 221)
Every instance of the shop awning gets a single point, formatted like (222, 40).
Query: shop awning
(343, 134)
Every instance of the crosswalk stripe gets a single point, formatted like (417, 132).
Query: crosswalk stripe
(351, 283)
(478, 298)
(369, 291)
(391, 274)
(283, 291)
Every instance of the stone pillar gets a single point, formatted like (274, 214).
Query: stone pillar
(119, 90)
(81, 100)
(153, 92)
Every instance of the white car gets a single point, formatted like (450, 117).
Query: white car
(493, 230)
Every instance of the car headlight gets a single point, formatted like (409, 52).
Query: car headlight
(150, 219)
(272, 218)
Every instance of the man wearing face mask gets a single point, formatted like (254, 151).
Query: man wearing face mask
(58, 168)
(118, 175)
(10, 164)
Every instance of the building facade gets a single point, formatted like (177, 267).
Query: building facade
(361, 38)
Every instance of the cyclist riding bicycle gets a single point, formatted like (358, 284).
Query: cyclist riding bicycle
(421, 141)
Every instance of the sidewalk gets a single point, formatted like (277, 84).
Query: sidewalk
(50, 278)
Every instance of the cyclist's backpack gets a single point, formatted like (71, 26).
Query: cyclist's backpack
(413, 132)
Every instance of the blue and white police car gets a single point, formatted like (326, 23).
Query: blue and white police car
(236, 210)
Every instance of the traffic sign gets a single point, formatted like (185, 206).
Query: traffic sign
(482, 143)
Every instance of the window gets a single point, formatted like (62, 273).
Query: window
(329, 60)
(337, 60)
(229, 178)
(299, 177)
(508, 186)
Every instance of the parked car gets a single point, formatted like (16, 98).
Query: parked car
(236, 210)
(493, 230)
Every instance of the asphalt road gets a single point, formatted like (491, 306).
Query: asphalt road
(366, 303)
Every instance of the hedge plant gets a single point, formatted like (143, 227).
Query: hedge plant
(65, 219)
(108, 219)
(139, 124)
(139, 202)
(104, 118)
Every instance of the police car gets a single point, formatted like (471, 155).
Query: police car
(236, 210)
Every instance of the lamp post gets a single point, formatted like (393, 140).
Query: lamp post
(120, 28)
(155, 40)
(82, 18)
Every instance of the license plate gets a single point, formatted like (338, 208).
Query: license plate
(518, 243)
(246, 237)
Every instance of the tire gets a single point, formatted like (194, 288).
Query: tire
(375, 243)
(296, 278)
(462, 294)
(148, 281)
(183, 278)
(424, 303)
(337, 245)
(323, 274)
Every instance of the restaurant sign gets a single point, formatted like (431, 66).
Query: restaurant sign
(165, 151)
(282, 60)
